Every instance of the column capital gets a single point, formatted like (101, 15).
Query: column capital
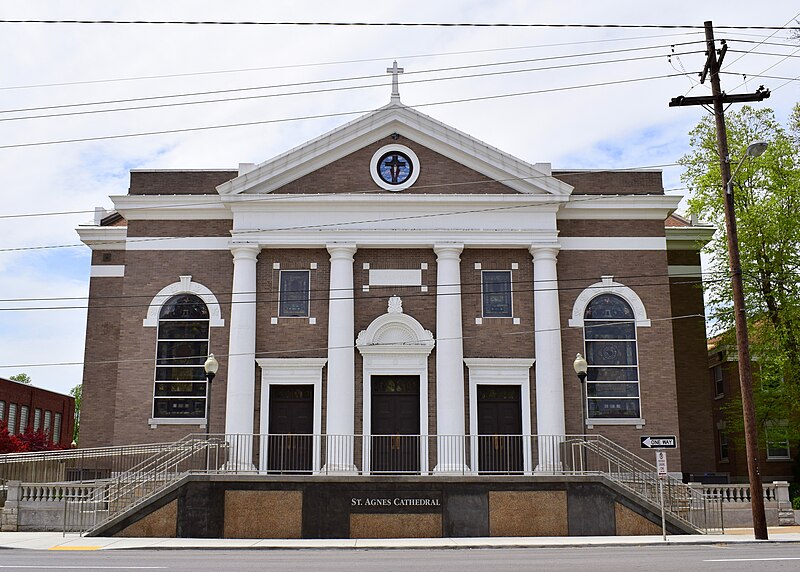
(341, 250)
(245, 251)
(544, 251)
(448, 250)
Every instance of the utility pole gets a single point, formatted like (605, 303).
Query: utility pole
(717, 99)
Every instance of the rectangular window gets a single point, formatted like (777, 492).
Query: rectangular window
(2, 410)
(12, 418)
(47, 417)
(37, 419)
(294, 293)
(777, 442)
(496, 288)
(723, 444)
(57, 428)
(23, 418)
(719, 387)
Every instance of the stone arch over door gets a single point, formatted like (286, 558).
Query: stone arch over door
(395, 344)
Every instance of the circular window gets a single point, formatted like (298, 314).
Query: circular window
(394, 167)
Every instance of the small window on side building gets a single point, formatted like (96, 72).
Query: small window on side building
(719, 382)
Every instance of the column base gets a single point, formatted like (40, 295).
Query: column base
(339, 469)
(549, 469)
(452, 468)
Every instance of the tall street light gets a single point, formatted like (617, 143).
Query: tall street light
(211, 366)
(743, 342)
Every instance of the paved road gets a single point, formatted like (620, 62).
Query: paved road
(729, 558)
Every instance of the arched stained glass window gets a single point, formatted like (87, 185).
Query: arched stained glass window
(612, 383)
(182, 348)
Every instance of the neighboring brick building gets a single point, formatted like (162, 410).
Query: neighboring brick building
(26, 407)
(776, 455)
(396, 276)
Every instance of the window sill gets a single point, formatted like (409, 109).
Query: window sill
(200, 422)
(590, 423)
(778, 459)
(720, 396)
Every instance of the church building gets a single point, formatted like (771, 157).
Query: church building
(396, 295)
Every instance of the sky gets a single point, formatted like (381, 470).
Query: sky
(560, 115)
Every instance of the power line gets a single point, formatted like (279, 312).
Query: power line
(326, 90)
(582, 198)
(321, 349)
(374, 76)
(227, 296)
(343, 62)
(330, 115)
(391, 24)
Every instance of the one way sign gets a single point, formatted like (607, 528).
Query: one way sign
(660, 442)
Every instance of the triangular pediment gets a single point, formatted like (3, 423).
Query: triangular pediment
(470, 165)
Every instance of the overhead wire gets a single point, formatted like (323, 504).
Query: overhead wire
(330, 115)
(344, 62)
(575, 199)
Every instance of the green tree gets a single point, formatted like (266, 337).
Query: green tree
(767, 198)
(77, 393)
(22, 378)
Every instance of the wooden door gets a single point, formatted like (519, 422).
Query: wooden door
(395, 445)
(291, 425)
(499, 429)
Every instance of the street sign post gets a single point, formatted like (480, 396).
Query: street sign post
(659, 442)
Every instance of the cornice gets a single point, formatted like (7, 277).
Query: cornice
(103, 237)
(688, 237)
(619, 207)
(171, 207)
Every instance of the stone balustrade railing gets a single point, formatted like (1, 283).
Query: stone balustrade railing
(776, 498)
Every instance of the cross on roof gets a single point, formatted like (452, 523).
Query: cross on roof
(395, 71)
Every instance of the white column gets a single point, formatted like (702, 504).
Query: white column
(240, 397)
(450, 419)
(550, 424)
(340, 423)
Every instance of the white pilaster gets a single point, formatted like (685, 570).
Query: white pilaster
(550, 424)
(240, 398)
(450, 419)
(340, 423)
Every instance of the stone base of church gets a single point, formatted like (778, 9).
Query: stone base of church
(253, 506)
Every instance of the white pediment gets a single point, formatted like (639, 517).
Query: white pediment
(395, 118)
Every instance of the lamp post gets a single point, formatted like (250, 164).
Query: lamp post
(742, 339)
(211, 366)
(581, 367)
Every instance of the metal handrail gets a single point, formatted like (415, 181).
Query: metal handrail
(376, 455)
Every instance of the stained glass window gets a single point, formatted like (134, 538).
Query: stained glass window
(496, 293)
(612, 383)
(294, 293)
(181, 351)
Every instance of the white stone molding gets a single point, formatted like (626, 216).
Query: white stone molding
(395, 344)
(340, 396)
(395, 277)
(550, 416)
(373, 167)
(240, 395)
(184, 286)
(500, 371)
(685, 271)
(450, 418)
(291, 371)
(608, 286)
(107, 271)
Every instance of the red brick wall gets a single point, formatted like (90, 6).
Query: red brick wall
(178, 182)
(37, 398)
(437, 174)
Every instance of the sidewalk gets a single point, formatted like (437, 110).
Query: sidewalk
(55, 541)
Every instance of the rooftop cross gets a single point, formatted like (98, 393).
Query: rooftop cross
(395, 71)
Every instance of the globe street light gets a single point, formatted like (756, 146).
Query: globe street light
(211, 366)
(581, 367)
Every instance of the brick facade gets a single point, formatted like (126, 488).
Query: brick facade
(34, 399)
(120, 352)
